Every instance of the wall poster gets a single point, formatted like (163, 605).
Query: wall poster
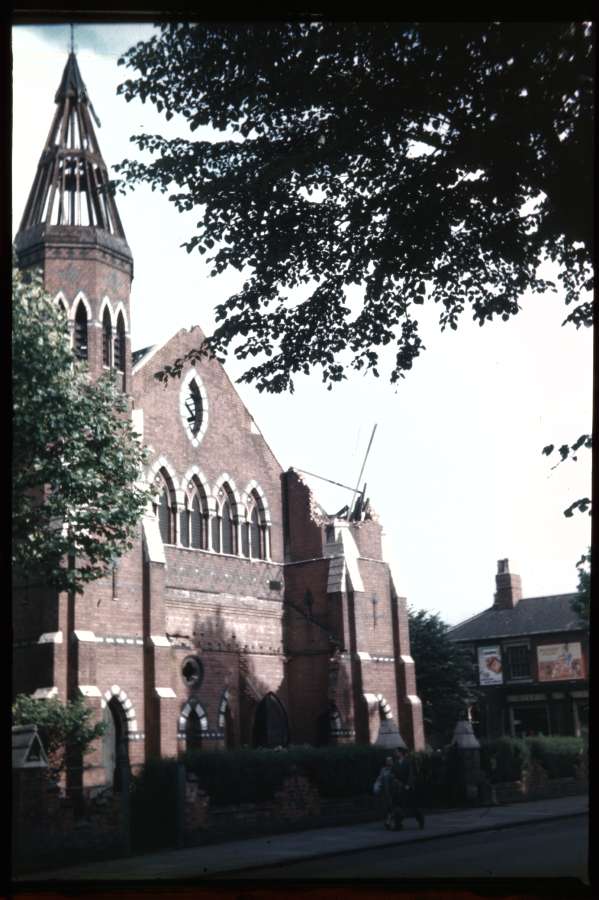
(559, 662)
(490, 670)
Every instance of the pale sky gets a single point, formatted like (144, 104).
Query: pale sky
(455, 472)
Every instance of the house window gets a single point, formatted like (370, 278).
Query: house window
(518, 661)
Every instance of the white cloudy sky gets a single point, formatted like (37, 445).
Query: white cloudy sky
(455, 470)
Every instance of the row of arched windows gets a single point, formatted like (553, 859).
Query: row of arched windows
(229, 527)
(114, 344)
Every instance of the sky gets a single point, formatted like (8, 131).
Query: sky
(455, 471)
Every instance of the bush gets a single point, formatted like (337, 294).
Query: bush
(250, 776)
(504, 759)
(154, 805)
(432, 771)
(63, 727)
(559, 756)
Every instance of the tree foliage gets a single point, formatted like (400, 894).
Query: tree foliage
(63, 727)
(581, 604)
(75, 456)
(427, 163)
(443, 675)
(570, 451)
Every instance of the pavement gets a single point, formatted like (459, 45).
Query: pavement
(278, 850)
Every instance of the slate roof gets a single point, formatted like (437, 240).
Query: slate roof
(138, 355)
(532, 615)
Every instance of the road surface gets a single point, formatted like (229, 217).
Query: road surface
(548, 849)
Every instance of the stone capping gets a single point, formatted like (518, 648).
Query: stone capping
(85, 637)
(406, 659)
(153, 546)
(89, 690)
(413, 700)
(50, 637)
(363, 655)
(45, 693)
(159, 640)
(165, 693)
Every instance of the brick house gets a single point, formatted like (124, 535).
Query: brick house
(244, 614)
(530, 659)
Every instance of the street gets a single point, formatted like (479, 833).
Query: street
(548, 849)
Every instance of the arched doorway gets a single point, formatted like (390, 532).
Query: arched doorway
(193, 731)
(115, 742)
(270, 723)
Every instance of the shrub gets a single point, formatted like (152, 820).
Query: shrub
(62, 727)
(432, 776)
(249, 776)
(504, 759)
(559, 756)
(154, 805)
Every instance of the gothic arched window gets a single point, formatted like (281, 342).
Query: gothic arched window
(120, 346)
(106, 338)
(165, 507)
(257, 527)
(224, 528)
(81, 331)
(194, 519)
(227, 527)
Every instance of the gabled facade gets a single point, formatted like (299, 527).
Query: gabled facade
(530, 661)
(244, 614)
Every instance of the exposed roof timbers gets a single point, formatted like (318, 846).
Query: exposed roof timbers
(71, 183)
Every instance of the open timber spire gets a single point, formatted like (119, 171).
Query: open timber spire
(71, 183)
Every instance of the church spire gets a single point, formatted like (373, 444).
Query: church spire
(71, 183)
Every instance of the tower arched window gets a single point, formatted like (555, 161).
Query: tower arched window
(165, 507)
(120, 345)
(106, 338)
(81, 331)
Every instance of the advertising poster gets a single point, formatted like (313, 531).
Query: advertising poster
(489, 665)
(559, 662)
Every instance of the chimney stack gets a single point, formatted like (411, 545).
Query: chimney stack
(509, 587)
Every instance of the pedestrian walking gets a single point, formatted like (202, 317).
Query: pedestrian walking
(383, 787)
(403, 790)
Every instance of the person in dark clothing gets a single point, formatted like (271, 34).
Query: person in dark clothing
(403, 788)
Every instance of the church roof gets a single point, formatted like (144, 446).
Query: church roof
(531, 615)
(138, 355)
(71, 186)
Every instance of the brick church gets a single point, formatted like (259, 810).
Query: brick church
(244, 615)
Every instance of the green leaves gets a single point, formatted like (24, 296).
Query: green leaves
(62, 726)
(75, 458)
(390, 156)
(443, 675)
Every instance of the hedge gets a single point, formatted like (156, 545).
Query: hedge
(504, 759)
(559, 756)
(249, 776)
(154, 805)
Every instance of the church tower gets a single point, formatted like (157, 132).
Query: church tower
(71, 230)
